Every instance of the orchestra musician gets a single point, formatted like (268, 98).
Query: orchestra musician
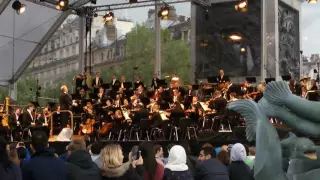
(175, 81)
(28, 117)
(79, 82)
(313, 85)
(96, 83)
(222, 78)
(14, 122)
(122, 81)
(259, 95)
(155, 81)
(138, 82)
(114, 81)
(65, 104)
(101, 94)
(176, 96)
(190, 91)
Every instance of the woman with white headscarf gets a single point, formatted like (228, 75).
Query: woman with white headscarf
(176, 168)
(238, 169)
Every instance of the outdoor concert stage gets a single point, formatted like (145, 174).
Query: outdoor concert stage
(215, 138)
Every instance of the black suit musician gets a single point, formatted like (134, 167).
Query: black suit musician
(96, 83)
(28, 118)
(155, 82)
(222, 78)
(115, 84)
(15, 118)
(138, 82)
(65, 104)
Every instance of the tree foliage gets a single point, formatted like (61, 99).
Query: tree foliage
(140, 52)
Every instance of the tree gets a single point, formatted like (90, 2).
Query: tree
(140, 52)
(3, 94)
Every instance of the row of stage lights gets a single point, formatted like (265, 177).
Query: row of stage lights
(108, 17)
(20, 8)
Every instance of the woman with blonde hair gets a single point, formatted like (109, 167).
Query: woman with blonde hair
(112, 165)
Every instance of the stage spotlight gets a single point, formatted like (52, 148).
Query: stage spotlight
(20, 8)
(235, 37)
(58, 7)
(164, 12)
(312, 1)
(242, 6)
(108, 18)
(243, 50)
(62, 3)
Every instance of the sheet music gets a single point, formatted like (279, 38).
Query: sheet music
(205, 106)
(163, 115)
(126, 115)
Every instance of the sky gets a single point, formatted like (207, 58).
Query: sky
(310, 28)
(310, 21)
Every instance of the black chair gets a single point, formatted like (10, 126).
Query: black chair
(144, 128)
(186, 128)
(174, 129)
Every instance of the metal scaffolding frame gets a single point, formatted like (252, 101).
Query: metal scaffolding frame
(45, 39)
(146, 3)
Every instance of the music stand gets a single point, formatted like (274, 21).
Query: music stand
(251, 80)
(93, 96)
(195, 87)
(286, 78)
(162, 83)
(269, 80)
(105, 86)
(127, 85)
(52, 106)
(213, 79)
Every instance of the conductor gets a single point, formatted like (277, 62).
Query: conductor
(65, 104)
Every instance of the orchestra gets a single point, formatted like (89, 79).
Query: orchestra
(121, 105)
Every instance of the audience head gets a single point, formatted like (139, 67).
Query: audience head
(223, 156)
(39, 141)
(238, 152)
(206, 153)
(252, 151)
(177, 159)
(158, 150)
(111, 156)
(4, 151)
(207, 145)
(169, 147)
(149, 160)
(96, 148)
(75, 145)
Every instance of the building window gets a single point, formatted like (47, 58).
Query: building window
(102, 56)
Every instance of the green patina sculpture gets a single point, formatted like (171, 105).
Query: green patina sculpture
(299, 114)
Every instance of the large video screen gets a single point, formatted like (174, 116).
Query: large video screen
(214, 48)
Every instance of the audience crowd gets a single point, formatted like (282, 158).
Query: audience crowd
(144, 162)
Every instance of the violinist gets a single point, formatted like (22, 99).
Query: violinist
(122, 81)
(118, 101)
(233, 97)
(176, 96)
(126, 104)
(219, 103)
(101, 94)
(156, 117)
(259, 95)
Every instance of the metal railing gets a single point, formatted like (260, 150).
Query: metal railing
(62, 111)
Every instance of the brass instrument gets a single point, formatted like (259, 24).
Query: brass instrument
(5, 115)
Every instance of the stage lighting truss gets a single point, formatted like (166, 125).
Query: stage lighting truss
(146, 3)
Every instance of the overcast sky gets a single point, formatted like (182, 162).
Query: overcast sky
(310, 21)
(310, 27)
